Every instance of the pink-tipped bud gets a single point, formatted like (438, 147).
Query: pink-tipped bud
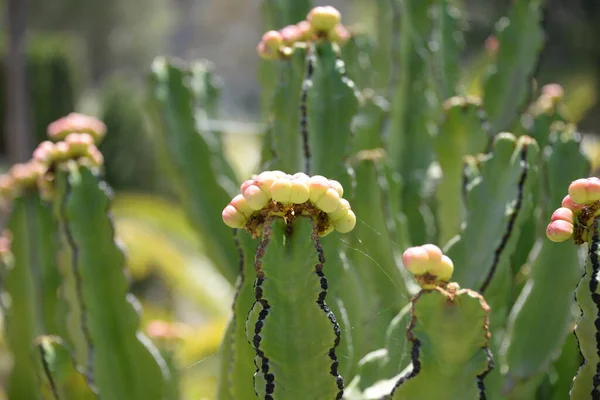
(78, 143)
(75, 122)
(291, 34)
(339, 34)
(341, 212)
(317, 185)
(255, 197)
(233, 217)
(62, 152)
(492, 44)
(246, 184)
(323, 18)
(240, 203)
(281, 190)
(562, 214)
(304, 31)
(329, 201)
(559, 230)
(443, 270)
(270, 45)
(433, 252)
(416, 260)
(554, 91)
(585, 191)
(299, 190)
(45, 152)
(337, 186)
(346, 223)
(571, 205)
(265, 180)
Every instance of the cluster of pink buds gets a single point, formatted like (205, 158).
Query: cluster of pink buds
(322, 22)
(278, 192)
(75, 137)
(77, 123)
(576, 211)
(429, 265)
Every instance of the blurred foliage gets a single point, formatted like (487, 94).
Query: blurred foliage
(55, 81)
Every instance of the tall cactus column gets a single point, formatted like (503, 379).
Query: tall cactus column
(290, 326)
(579, 218)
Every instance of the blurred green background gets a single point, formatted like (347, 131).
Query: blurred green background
(92, 56)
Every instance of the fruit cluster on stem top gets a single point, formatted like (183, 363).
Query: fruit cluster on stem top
(321, 23)
(278, 193)
(429, 265)
(578, 208)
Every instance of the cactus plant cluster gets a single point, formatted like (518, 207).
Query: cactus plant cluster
(398, 241)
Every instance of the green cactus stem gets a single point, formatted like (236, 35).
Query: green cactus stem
(59, 377)
(536, 334)
(408, 137)
(123, 362)
(192, 162)
(586, 384)
(237, 354)
(449, 334)
(508, 81)
(463, 132)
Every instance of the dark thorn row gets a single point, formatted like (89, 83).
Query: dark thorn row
(511, 221)
(414, 356)
(240, 284)
(595, 261)
(264, 361)
(323, 306)
(49, 374)
(304, 108)
(481, 377)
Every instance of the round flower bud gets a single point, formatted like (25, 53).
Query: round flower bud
(299, 190)
(433, 252)
(340, 212)
(563, 214)
(290, 35)
(416, 260)
(245, 185)
(559, 231)
(593, 189)
(346, 223)
(281, 190)
(443, 270)
(317, 185)
(571, 205)
(255, 197)
(337, 186)
(240, 203)
(45, 152)
(265, 180)
(339, 34)
(329, 202)
(304, 30)
(272, 40)
(578, 192)
(233, 217)
(323, 19)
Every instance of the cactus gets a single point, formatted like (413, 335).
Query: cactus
(391, 244)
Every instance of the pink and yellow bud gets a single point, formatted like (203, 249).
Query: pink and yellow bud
(585, 191)
(233, 217)
(255, 197)
(75, 122)
(416, 260)
(270, 45)
(339, 34)
(571, 205)
(346, 223)
(299, 190)
(322, 195)
(291, 34)
(266, 179)
(341, 212)
(240, 203)
(323, 18)
(45, 152)
(281, 190)
(443, 270)
(559, 230)
(433, 252)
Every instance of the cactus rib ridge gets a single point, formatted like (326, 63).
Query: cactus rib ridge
(240, 283)
(264, 367)
(78, 286)
(321, 302)
(511, 221)
(306, 84)
(48, 374)
(593, 251)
